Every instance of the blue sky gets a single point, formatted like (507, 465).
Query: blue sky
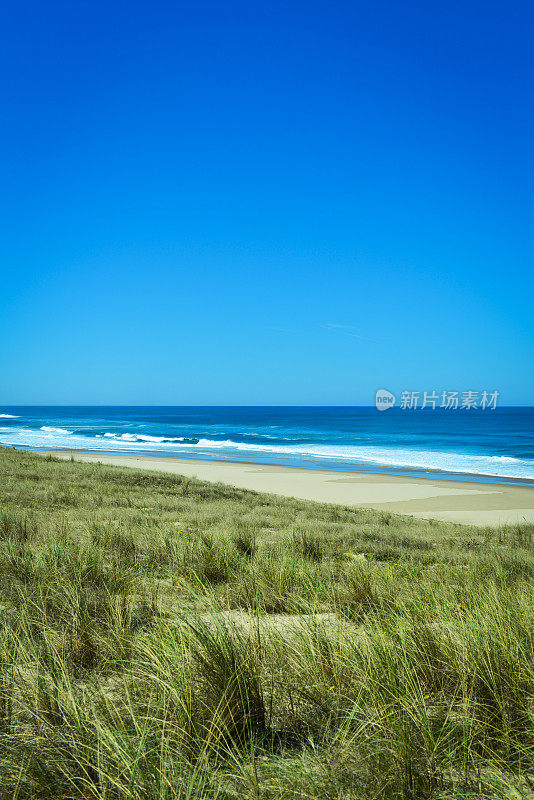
(265, 203)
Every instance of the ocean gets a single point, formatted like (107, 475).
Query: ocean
(495, 445)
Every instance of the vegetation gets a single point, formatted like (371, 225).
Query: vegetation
(167, 638)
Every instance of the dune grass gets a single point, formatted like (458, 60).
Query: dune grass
(163, 637)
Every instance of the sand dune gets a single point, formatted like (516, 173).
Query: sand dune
(454, 501)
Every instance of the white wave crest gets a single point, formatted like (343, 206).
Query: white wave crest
(141, 437)
(8, 416)
(343, 455)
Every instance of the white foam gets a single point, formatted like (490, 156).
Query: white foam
(8, 416)
(141, 437)
(444, 461)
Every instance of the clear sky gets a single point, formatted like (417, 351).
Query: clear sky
(265, 203)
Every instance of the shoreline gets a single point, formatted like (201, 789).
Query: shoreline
(464, 502)
(315, 465)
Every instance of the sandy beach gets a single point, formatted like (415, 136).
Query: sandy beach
(453, 501)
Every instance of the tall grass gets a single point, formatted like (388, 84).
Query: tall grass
(169, 638)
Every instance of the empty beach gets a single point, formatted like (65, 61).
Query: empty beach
(448, 500)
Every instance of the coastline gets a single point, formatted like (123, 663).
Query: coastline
(478, 503)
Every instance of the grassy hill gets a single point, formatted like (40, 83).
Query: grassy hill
(163, 637)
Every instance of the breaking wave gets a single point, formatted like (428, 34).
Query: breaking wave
(337, 455)
(141, 437)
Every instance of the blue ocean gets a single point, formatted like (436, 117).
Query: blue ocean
(495, 444)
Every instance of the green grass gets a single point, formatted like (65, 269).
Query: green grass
(163, 637)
